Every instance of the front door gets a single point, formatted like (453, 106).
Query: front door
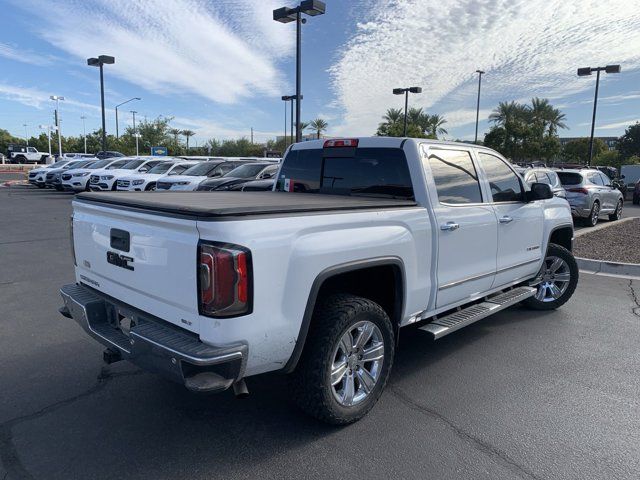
(466, 229)
(520, 223)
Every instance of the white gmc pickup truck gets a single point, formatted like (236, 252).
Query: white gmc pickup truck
(361, 237)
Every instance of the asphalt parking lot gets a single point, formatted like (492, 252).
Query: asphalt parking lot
(523, 394)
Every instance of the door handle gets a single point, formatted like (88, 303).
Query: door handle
(505, 219)
(449, 226)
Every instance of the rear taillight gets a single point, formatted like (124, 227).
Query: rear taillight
(579, 190)
(224, 280)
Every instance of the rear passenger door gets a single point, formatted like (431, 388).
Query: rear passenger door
(466, 228)
(520, 223)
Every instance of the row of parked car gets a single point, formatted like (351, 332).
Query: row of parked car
(590, 192)
(146, 173)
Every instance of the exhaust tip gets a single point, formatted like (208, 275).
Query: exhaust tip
(240, 389)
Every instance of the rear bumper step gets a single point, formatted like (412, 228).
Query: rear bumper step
(457, 320)
(152, 344)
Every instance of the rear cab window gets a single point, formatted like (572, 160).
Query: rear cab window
(371, 172)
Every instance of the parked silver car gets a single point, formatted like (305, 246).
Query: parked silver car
(548, 176)
(591, 194)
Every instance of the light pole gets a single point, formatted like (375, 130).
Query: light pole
(119, 105)
(586, 71)
(286, 15)
(48, 127)
(135, 132)
(405, 92)
(57, 99)
(480, 73)
(84, 133)
(100, 62)
(26, 134)
(285, 99)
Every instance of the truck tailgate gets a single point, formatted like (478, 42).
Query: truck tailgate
(147, 261)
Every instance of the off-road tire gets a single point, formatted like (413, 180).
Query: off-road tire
(310, 382)
(617, 214)
(567, 256)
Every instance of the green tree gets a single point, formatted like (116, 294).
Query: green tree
(629, 143)
(577, 151)
(419, 124)
(319, 125)
(610, 158)
(188, 134)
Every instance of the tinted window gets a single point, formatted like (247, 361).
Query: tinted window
(178, 169)
(117, 164)
(570, 178)
(504, 183)
(595, 178)
(554, 178)
(132, 164)
(249, 170)
(100, 164)
(369, 172)
(201, 169)
(455, 177)
(605, 180)
(161, 167)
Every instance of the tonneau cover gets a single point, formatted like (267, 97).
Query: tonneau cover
(225, 204)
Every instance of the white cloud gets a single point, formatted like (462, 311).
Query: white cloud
(24, 56)
(618, 125)
(527, 48)
(206, 129)
(222, 51)
(34, 97)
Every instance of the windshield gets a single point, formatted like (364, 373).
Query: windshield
(71, 165)
(246, 171)
(201, 169)
(570, 178)
(59, 164)
(132, 164)
(161, 168)
(117, 164)
(99, 164)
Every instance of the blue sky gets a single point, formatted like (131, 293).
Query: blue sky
(220, 67)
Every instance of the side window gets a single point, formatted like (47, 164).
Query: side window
(455, 176)
(32, 149)
(504, 183)
(595, 179)
(179, 169)
(543, 178)
(605, 179)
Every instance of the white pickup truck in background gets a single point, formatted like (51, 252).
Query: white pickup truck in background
(28, 155)
(362, 237)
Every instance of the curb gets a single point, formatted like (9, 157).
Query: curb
(614, 269)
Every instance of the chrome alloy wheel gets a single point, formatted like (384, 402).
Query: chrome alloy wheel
(552, 280)
(357, 363)
(595, 214)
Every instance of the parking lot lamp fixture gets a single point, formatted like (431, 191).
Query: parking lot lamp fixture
(119, 105)
(480, 73)
(100, 62)
(584, 72)
(57, 99)
(286, 15)
(405, 92)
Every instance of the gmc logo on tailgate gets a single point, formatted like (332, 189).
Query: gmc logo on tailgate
(119, 260)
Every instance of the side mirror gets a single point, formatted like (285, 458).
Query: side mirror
(539, 191)
(143, 170)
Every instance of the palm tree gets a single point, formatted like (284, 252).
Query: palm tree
(319, 125)
(435, 125)
(505, 112)
(393, 115)
(175, 132)
(187, 134)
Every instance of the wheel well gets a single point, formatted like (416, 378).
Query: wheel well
(381, 284)
(563, 237)
(381, 281)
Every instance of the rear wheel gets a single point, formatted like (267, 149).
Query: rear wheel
(556, 281)
(346, 360)
(594, 215)
(21, 159)
(618, 212)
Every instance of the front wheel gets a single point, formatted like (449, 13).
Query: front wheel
(618, 212)
(556, 281)
(594, 215)
(346, 360)
(150, 188)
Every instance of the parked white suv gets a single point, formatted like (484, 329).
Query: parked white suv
(146, 182)
(77, 179)
(107, 180)
(362, 237)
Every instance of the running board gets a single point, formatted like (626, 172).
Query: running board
(457, 320)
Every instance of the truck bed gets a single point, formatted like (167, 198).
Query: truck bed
(212, 205)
